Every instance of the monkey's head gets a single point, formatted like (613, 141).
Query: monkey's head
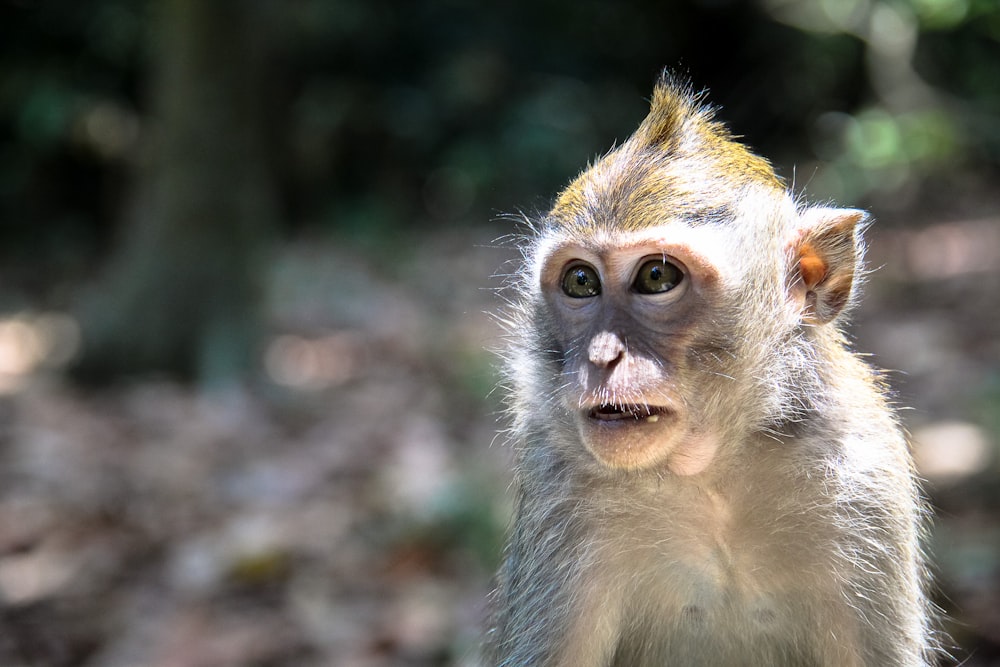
(677, 297)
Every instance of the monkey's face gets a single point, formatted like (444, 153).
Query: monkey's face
(626, 312)
(675, 277)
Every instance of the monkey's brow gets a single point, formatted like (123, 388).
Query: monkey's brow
(692, 216)
(709, 215)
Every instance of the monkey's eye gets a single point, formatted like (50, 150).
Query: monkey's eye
(581, 281)
(657, 276)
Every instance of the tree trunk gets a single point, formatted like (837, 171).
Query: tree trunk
(182, 294)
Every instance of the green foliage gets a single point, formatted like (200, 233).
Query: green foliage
(463, 522)
(384, 116)
(451, 111)
(986, 408)
(924, 120)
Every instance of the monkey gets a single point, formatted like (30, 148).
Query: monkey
(707, 474)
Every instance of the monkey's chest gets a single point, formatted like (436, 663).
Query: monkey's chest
(721, 593)
(719, 582)
(714, 605)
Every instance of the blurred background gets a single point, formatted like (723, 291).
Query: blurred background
(248, 249)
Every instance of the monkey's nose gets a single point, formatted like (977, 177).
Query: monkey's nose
(606, 349)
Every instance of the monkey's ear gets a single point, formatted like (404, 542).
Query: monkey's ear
(826, 254)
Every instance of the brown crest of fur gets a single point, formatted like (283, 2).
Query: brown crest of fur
(680, 158)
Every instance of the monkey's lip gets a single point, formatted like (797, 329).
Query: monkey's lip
(611, 412)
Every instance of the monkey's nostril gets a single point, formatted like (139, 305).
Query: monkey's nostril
(607, 361)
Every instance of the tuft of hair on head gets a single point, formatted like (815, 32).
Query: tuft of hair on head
(674, 106)
(681, 126)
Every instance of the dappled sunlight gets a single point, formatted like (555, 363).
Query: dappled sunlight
(949, 451)
(312, 364)
(29, 342)
(947, 250)
(938, 252)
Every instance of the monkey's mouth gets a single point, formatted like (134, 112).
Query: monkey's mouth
(630, 435)
(612, 412)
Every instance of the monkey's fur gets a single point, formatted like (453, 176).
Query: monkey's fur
(706, 476)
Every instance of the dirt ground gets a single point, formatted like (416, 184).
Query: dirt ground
(348, 509)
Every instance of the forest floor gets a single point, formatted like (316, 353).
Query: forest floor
(349, 508)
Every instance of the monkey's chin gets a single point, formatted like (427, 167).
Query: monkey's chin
(632, 437)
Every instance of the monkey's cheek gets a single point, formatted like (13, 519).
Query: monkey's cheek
(632, 444)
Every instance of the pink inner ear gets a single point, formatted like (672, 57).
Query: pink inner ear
(811, 267)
